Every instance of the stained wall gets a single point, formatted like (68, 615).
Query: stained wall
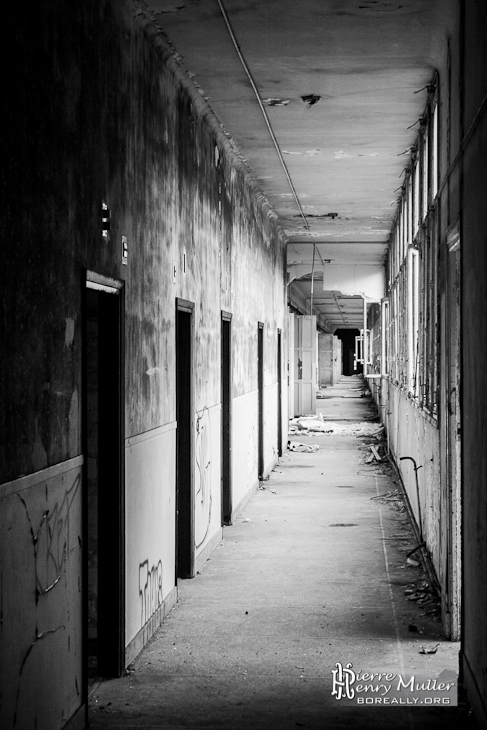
(99, 111)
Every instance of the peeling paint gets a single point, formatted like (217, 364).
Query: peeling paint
(69, 332)
(273, 101)
(39, 453)
(152, 371)
(73, 422)
(380, 7)
(307, 153)
(341, 155)
(310, 234)
(311, 99)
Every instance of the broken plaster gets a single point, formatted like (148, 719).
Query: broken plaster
(311, 99)
(342, 155)
(272, 101)
(308, 153)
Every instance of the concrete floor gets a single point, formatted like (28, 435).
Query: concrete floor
(312, 573)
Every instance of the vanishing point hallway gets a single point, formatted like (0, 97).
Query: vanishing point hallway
(314, 572)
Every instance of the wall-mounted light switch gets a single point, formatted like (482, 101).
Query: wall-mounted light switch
(125, 250)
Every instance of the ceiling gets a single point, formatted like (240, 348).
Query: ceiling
(342, 83)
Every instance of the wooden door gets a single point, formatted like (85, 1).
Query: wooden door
(305, 375)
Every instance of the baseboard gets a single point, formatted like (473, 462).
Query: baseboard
(208, 549)
(240, 506)
(253, 489)
(271, 466)
(135, 646)
(78, 721)
(473, 692)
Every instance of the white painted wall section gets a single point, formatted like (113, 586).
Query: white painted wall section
(150, 536)
(359, 280)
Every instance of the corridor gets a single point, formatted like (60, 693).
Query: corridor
(230, 228)
(313, 572)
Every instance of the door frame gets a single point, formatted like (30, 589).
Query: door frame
(279, 392)
(302, 320)
(226, 418)
(111, 660)
(260, 401)
(185, 451)
(452, 480)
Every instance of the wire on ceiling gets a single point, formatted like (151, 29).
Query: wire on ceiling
(262, 108)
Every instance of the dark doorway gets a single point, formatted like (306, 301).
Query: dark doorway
(260, 386)
(347, 336)
(226, 397)
(279, 393)
(104, 502)
(184, 441)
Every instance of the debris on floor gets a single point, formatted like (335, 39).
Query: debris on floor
(375, 453)
(393, 498)
(424, 596)
(306, 424)
(429, 649)
(297, 446)
(413, 563)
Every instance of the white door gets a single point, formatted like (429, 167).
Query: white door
(325, 358)
(337, 359)
(290, 368)
(305, 375)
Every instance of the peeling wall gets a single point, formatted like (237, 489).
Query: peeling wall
(412, 434)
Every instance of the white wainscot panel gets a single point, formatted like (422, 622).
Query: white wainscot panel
(270, 427)
(244, 446)
(207, 476)
(151, 516)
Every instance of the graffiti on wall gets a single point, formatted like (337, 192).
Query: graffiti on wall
(202, 477)
(53, 538)
(150, 589)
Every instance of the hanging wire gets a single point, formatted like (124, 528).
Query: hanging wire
(262, 108)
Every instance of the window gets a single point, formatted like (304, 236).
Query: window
(413, 325)
(434, 153)
(417, 215)
(425, 170)
(410, 317)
